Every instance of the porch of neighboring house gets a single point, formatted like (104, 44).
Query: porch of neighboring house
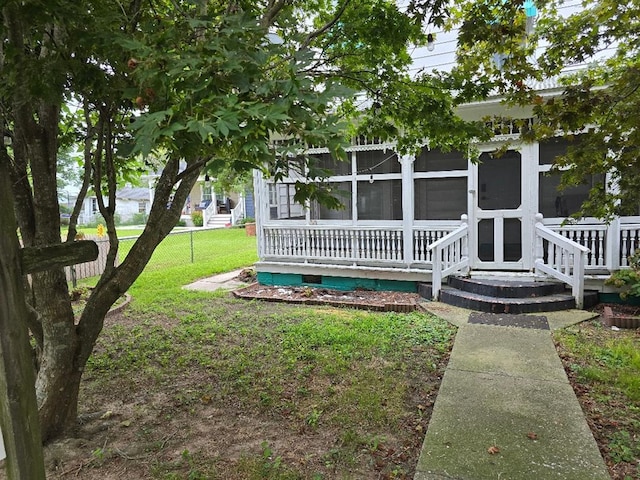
(219, 209)
(410, 221)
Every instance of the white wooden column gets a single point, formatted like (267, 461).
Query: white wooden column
(406, 162)
(261, 204)
(612, 255)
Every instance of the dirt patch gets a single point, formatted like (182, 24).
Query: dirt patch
(191, 424)
(359, 298)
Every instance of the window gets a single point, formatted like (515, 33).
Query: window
(282, 205)
(142, 207)
(206, 192)
(436, 160)
(94, 205)
(342, 191)
(380, 200)
(552, 148)
(337, 167)
(440, 198)
(563, 203)
(377, 161)
(553, 202)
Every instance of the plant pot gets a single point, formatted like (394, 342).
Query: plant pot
(250, 229)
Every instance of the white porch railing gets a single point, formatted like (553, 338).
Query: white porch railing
(450, 255)
(324, 243)
(210, 211)
(423, 238)
(594, 237)
(561, 258)
(238, 212)
(629, 241)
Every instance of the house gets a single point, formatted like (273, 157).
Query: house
(133, 205)
(411, 222)
(418, 222)
(218, 208)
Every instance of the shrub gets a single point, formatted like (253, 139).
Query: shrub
(628, 279)
(197, 219)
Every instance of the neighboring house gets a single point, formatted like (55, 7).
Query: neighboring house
(418, 219)
(218, 208)
(133, 204)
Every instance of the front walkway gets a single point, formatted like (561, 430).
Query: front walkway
(505, 409)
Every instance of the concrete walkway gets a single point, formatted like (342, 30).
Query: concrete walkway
(226, 281)
(505, 409)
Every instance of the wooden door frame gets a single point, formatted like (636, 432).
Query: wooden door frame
(526, 212)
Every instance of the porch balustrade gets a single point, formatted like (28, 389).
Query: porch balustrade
(592, 237)
(334, 244)
(602, 248)
(450, 255)
(561, 258)
(629, 241)
(238, 212)
(360, 245)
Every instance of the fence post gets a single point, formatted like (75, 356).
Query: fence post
(191, 240)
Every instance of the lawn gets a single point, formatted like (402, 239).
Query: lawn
(604, 368)
(195, 385)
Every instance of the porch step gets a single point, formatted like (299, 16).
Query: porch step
(218, 220)
(492, 304)
(506, 288)
(508, 296)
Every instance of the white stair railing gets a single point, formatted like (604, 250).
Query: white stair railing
(209, 212)
(238, 212)
(565, 259)
(450, 255)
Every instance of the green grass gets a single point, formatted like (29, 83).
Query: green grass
(352, 375)
(347, 372)
(606, 366)
(173, 264)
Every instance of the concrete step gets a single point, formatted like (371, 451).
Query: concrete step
(495, 304)
(512, 295)
(507, 288)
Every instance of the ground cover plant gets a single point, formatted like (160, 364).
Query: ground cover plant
(604, 367)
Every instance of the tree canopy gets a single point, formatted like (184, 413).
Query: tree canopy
(176, 87)
(592, 52)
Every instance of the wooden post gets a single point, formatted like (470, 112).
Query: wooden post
(18, 406)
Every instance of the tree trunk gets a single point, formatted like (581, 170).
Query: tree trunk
(18, 407)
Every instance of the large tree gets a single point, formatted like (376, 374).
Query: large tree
(176, 86)
(592, 52)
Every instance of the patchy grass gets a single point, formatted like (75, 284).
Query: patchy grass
(604, 368)
(253, 390)
(212, 387)
(200, 385)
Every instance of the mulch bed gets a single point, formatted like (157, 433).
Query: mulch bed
(382, 301)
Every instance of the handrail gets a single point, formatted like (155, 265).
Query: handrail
(565, 259)
(210, 211)
(237, 212)
(450, 255)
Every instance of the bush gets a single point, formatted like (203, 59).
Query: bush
(197, 219)
(246, 220)
(181, 223)
(629, 279)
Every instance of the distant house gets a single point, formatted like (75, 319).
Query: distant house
(133, 205)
